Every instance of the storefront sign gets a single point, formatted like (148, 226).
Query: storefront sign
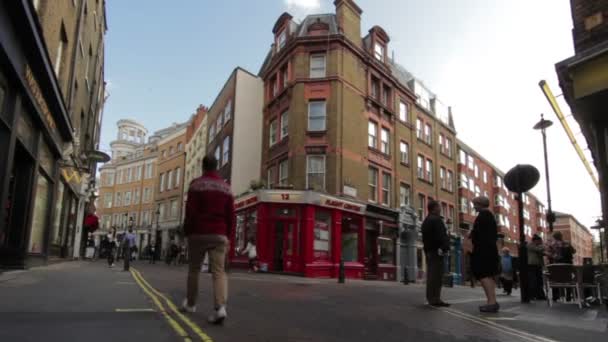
(349, 191)
(71, 175)
(37, 93)
(334, 203)
(246, 202)
(285, 197)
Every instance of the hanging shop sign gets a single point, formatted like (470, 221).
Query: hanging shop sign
(40, 101)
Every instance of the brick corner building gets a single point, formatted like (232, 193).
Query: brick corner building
(577, 234)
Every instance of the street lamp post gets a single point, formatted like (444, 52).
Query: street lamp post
(154, 241)
(127, 246)
(542, 125)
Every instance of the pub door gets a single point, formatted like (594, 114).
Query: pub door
(286, 246)
(371, 254)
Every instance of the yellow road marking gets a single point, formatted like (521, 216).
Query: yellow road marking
(489, 324)
(134, 310)
(174, 308)
(173, 323)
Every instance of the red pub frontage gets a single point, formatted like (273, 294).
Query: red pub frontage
(307, 232)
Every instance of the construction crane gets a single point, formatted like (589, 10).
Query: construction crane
(558, 112)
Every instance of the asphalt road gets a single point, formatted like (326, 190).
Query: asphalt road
(82, 301)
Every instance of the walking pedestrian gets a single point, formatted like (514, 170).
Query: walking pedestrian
(536, 252)
(436, 245)
(207, 225)
(152, 254)
(128, 242)
(111, 248)
(484, 256)
(506, 274)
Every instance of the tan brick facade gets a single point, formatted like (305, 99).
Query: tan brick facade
(577, 234)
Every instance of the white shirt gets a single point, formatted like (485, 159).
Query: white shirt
(251, 250)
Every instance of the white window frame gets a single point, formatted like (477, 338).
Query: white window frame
(386, 188)
(420, 166)
(404, 196)
(404, 152)
(379, 51)
(385, 141)
(272, 133)
(178, 176)
(317, 70)
(228, 112)
(218, 154)
(283, 172)
(324, 116)
(308, 158)
(162, 182)
(226, 150)
(284, 125)
(372, 134)
(281, 39)
(170, 180)
(373, 195)
(428, 133)
(403, 111)
(429, 173)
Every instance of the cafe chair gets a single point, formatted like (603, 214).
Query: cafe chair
(591, 280)
(562, 276)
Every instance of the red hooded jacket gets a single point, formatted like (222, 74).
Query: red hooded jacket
(210, 206)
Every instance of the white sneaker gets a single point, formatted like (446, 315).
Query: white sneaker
(186, 308)
(218, 316)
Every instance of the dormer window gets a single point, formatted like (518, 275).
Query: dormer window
(379, 52)
(281, 40)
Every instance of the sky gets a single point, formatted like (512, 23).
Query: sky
(484, 58)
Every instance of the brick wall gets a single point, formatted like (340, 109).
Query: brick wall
(590, 19)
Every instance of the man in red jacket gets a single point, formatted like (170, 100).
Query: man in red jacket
(208, 223)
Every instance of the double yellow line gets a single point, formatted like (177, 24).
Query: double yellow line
(158, 299)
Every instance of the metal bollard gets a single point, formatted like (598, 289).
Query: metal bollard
(341, 272)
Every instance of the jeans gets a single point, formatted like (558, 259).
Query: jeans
(434, 273)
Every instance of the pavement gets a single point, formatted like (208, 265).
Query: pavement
(87, 301)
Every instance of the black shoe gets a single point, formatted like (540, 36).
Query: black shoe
(441, 305)
(491, 308)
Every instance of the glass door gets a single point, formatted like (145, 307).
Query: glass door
(279, 246)
(291, 255)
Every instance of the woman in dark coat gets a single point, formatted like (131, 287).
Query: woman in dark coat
(485, 259)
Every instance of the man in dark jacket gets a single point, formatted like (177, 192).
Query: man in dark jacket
(208, 223)
(436, 245)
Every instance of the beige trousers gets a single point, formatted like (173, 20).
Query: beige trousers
(216, 246)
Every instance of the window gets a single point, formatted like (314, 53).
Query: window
(386, 188)
(317, 66)
(174, 208)
(284, 125)
(386, 96)
(471, 162)
(285, 74)
(281, 40)
(161, 211)
(476, 171)
(211, 132)
(441, 143)
(418, 128)
(170, 180)
(421, 206)
(350, 240)
(404, 195)
(450, 180)
(164, 154)
(107, 200)
(316, 116)
(180, 147)
(403, 111)
(372, 138)
(138, 172)
(384, 147)
(464, 205)
(136, 196)
(217, 154)
(404, 151)
(428, 136)
(127, 198)
(463, 182)
(272, 133)
(485, 177)
(219, 124)
(462, 157)
(149, 170)
(146, 195)
(375, 88)
(228, 112)
(178, 176)
(442, 178)
(477, 191)
(315, 172)
(448, 147)
(129, 175)
(162, 182)
(498, 181)
(322, 231)
(270, 175)
(472, 184)
(226, 151)
(63, 40)
(429, 170)
(420, 166)
(379, 52)
(283, 172)
(373, 184)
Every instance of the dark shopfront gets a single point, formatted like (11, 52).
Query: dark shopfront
(33, 126)
(306, 233)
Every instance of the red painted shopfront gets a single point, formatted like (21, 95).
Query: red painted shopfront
(306, 233)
